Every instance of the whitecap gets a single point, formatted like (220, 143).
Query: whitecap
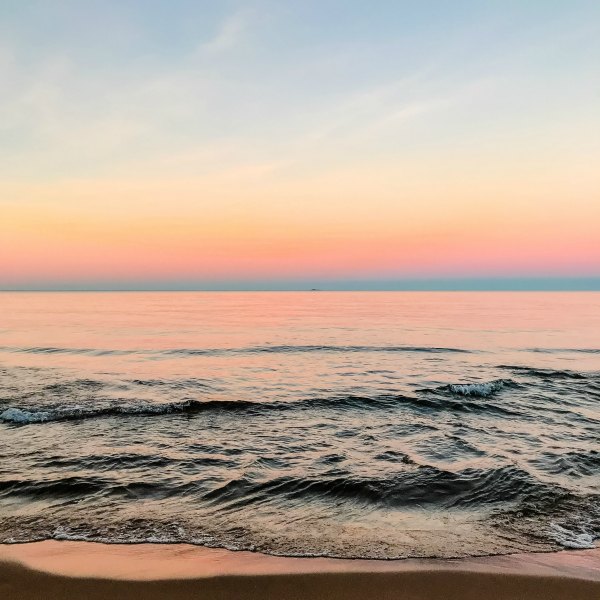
(483, 389)
(571, 539)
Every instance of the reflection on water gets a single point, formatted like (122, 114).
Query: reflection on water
(346, 424)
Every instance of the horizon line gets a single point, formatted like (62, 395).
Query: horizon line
(575, 284)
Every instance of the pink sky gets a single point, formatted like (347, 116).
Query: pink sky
(305, 142)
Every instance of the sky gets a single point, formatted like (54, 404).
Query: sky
(282, 144)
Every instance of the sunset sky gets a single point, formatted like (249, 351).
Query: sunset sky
(280, 144)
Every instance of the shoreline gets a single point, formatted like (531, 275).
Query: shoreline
(61, 570)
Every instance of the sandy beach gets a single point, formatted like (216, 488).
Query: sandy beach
(53, 570)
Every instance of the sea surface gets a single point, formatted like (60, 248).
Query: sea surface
(367, 424)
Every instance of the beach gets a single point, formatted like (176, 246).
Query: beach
(162, 446)
(299, 300)
(61, 570)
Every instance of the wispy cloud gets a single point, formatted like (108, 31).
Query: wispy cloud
(228, 34)
(312, 101)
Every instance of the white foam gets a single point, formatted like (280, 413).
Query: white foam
(16, 415)
(23, 417)
(61, 534)
(477, 389)
(571, 539)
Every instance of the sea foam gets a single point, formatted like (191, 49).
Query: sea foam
(571, 539)
(64, 413)
(482, 390)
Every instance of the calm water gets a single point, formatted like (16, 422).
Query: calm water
(343, 424)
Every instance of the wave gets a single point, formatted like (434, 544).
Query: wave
(66, 486)
(574, 540)
(457, 397)
(94, 388)
(288, 349)
(564, 350)
(58, 350)
(418, 485)
(573, 463)
(20, 415)
(174, 384)
(281, 349)
(545, 373)
(482, 389)
(76, 486)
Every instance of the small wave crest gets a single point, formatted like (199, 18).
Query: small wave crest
(574, 463)
(21, 416)
(452, 397)
(568, 538)
(479, 390)
(476, 389)
(281, 349)
(544, 373)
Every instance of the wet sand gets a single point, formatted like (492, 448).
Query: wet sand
(71, 570)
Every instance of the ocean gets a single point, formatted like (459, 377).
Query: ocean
(344, 424)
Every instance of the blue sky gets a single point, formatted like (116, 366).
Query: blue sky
(267, 116)
(141, 80)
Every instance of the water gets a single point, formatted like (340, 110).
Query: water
(341, 424)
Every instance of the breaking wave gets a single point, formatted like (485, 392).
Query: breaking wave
(568, 538)
(480, 389)
(426, 400)
(21, 416)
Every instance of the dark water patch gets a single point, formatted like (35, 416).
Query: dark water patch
(80, 487)
(189, 383)
(317, 348)
(446, 449)
(70, 388)
(464, 406)
(59, 350)
(332, 459)
(27, 414)
(395, 456)
(565, 350)
(24, 415)
(417, 486)
(275, 349)
(557, 374)
(574, 463)
(65, 486)
(147, 490)
(90, 385)
(109, 462)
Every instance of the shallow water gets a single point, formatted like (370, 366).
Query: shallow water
(311, 423)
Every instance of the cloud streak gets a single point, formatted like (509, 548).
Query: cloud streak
(229, 33)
